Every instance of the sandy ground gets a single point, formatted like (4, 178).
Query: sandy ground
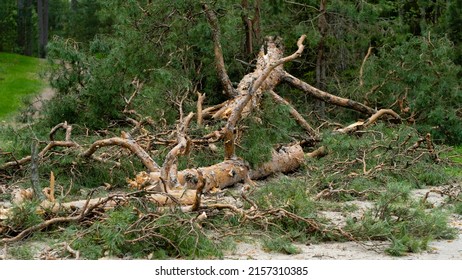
(438, 250)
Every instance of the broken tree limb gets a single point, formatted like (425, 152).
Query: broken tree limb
(295, 114)
(67, 143)
(372, 119)
(229, 172)
(194, 183)
(65, 126)
(169, 169)
(327, 97)
(361, 70)
(200, 100)
(85, 211)
(27, 159)
(127, 143)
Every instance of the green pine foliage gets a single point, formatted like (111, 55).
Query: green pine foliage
(412, 73)
(396, 217)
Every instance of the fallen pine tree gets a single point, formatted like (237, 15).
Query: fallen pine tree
(163, 183)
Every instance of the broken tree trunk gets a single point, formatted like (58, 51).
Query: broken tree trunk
(191, 182)
(250, 89)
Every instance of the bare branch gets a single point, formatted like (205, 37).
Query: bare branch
(295, 114)
(372, 119)
(127, 143)
(181, 148)
(361, 81)
(200, 100)
(327, 97)
(219, 61)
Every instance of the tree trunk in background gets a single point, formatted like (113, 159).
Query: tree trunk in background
(25, 27)
(74, 5)
(251, 26)
(42, 12)
(321, 59)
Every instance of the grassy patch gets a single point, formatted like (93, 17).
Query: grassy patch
(280, 245)
(399, 219)
(18, 78)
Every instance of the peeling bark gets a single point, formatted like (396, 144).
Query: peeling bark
(169, 168)
(265, 77)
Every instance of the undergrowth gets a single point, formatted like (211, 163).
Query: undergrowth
(376, 165)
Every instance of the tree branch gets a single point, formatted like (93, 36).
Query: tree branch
(219, 61)
(127, 143)
(295, 114)
(327, 97)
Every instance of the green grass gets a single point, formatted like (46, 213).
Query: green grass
(18, 78)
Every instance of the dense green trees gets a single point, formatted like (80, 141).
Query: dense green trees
(352, 51)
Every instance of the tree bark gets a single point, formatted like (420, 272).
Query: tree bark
(42, 13)
(25, 30)
(372, 119)
(321, 59)
(254, 84)
(295, 114)
(327, 97)
(219, 61)
(251, 26)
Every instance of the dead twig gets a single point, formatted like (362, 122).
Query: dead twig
(327, 193)
(84, 212)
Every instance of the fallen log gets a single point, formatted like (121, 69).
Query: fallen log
(192, 182)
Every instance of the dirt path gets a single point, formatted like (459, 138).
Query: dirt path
(46, 94)
(438, 250)
(37, 103)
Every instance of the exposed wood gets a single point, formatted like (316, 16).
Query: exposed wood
(169, 169)
(200, 100)
(199, 191)
(50, 191)
(229, 172)
(285, 159)
(254, 84)
(372, 119)
(318, 153)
